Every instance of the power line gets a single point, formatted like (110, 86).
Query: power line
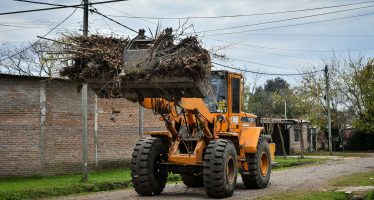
(283, 49)
(252, 62)
(290, 25)
(36, 10)
(92, 10)
(231, 44)
(311, 35)
(264, 73)
(245, 15)
(52, 8)
(49, 4)
(127, 14)
(79, 5)
(21, 26)
(29, 47)
(99, 13)
(283, 20)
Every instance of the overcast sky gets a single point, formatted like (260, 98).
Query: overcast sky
(273, 50)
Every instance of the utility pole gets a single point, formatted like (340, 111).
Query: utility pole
(328, 107)
(84, 105)
(285, 109)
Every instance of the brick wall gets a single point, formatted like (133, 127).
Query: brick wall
(19, 126)
(41, 127)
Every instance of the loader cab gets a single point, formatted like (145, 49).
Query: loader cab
(224, 94)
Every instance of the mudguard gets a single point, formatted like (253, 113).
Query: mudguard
(249, 138)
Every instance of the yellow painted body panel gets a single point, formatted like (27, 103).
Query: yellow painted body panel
(196, 103)
(188, 159)
(249, 138)
(272, 151)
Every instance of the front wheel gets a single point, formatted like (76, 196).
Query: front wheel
(148, 174)
(259, 165)
(220, 168)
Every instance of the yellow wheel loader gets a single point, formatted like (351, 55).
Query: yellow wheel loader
(208, 142)
(208, 138)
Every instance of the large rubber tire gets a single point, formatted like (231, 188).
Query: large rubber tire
(148, 175)
(220, 169)
(259, 165)
(193, 181)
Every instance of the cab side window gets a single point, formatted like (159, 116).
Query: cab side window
(235, 90)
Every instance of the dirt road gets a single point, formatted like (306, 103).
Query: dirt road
(302, 178)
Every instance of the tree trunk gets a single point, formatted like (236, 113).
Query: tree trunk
(302, 139)
(316, 140)
(282, 142)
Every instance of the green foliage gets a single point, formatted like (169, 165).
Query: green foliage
(39, 187)
(365, 81)
(269, 99)
(276, 85)
(370, 195)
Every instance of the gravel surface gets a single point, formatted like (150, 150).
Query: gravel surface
(312, 177)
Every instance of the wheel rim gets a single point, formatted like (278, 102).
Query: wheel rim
(264, 164)
(230, 171)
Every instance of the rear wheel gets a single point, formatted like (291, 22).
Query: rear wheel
(193, 181)
(148, 175)
(259, 165)
(220, 168)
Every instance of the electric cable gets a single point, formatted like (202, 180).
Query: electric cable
(246, 15)
(290, 25)
(29, 47)
(292, 50)
(57, 6)
(283, 20)
(265, 73)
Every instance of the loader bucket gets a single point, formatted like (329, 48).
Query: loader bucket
(160, 87)
(138, 57)
(153, 87)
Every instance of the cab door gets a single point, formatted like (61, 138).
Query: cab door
(234, 106)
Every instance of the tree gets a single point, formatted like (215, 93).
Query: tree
(364, 81)
(264, 100)
(351, 92)
(276, 85)
(40, 59)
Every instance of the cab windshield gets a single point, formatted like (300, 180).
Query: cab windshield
(216, 99)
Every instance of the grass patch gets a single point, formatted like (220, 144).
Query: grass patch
(40, 187)
(360, 179)
(294, 162)
(370, 195)
(343, 154)
(314, 195)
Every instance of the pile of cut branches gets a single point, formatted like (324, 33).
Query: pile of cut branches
(96, 57)
(187, 58)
